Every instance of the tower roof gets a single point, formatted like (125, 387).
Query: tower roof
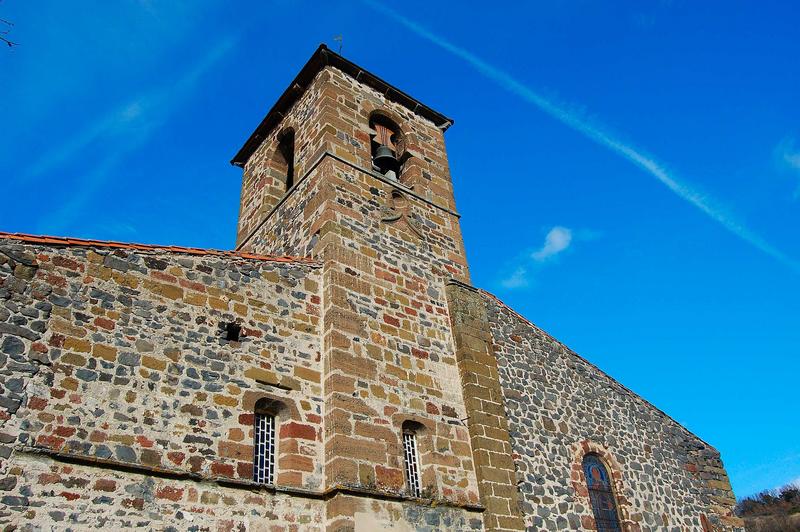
(321, 58)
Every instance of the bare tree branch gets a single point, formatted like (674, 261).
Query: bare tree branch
(8, 42)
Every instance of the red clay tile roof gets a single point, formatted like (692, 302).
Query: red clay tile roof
(66, 241)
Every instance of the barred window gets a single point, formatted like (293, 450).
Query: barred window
(601, 494)
(411, 457)
(264, 449)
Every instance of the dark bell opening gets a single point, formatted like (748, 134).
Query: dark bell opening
(286, 150)
(386, 146)
(385, 160)
(233, 332)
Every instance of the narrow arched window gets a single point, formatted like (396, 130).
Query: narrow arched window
(411, 461)
(264, 449)
(286, 151)
(601, 494)
(386, 146)
(264, 443)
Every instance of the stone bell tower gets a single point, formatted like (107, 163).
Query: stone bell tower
(352, 171)
(344, 151)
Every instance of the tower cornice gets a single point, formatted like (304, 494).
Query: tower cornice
(321, 58)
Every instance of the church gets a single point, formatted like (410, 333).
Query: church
(336, 371)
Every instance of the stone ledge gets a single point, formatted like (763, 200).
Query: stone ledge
(461, 284)
(313, 166)
(102, 463)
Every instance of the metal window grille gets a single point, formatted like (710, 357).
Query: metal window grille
(264, 449)
(412, 463)
(601, 495)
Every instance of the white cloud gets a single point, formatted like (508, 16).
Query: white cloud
(575, 119)
(518, 279)
(792, 159)
(789, 158)
(790, 154)
(557, 240)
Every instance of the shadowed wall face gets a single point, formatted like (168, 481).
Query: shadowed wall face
(560, 409)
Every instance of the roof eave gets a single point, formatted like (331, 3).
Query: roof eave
(321, 58)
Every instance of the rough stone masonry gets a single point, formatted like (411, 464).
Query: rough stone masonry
(125, 402)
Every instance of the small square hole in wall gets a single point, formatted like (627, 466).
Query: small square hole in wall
(233, 332)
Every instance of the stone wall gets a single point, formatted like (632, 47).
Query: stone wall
(483, 397)
(264, 175)
(387, 349)
(54, 495)
(388, 249)
(332, 117)
(560, 407)
(331, 121)
(123, 403)
(118, 357)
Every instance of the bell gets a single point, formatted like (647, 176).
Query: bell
(384, 159)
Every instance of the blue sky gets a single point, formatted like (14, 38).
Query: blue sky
(628, 175)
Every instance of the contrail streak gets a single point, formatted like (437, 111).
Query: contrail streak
(142, 114)
(596, 133)
(121, 132)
